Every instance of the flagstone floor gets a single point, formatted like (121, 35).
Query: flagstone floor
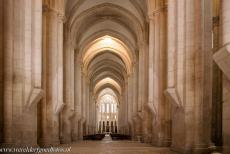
(106, 146)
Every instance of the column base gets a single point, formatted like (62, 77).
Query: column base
(48, 142)
(65, 140)
(201, 149)
(180, 150)
(161, 142)
(16, 145)
(195, 150)
(74, 138)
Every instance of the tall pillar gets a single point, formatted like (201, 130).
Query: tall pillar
(1, 71)
(88, 108)
(130, 102)
(151, 105)
(172, 89)
(84, 99)
(68, 112)
(217, 90)
(203, 75)
(176, 70)
(223, 63)
(22, 70)
(8, 71)
(126, 108)
(52, 124)
(189, 69)
(135, 118)
(53, 64)
(157, 74)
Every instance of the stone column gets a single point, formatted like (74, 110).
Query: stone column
(172, 92)
(176, 10)
(1, 70)
(87, 97)
(130, 102)
(157, 73)
(52, 80)
(84, 99)
(222, 58)
(140, 81)
(119, 118)
(172, 43)
(22, 70)
(203, 75)
(91, 114)
(135, 118)
(77, 97)
(126, 107)
(53, 63)
(151, 64)
(33, 69)
(189, 70)
(81, 105)
(68, 112)
(135, 91)
(151, 105)
(8, 71)
(87, 111)
(217, 90)
(225, 11)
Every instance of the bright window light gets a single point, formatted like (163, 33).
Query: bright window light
(108, 41)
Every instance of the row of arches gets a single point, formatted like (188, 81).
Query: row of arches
(153, 57)
(107, 40)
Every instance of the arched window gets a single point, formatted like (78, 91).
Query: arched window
(108, 108)
(103, 108)
(112, 108)
(115, 108)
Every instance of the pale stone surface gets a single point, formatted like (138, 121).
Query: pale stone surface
(222, 58)
(224, 66)
(114, 147)
(1, 71)
(57, 57)
(226, 115)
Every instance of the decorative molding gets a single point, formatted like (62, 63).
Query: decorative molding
(222, 59)
(136, 118)
(61, 17)
(59, 107)
(46, 8)
(152, 108)
(140, 114)
(35, 96)
(173, 96)
(159, 10)
(71, 114)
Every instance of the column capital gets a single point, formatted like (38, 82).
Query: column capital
(61, 17)
(46, 9)
(159, 10)
(151, 16)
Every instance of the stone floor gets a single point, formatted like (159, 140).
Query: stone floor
(114, 147)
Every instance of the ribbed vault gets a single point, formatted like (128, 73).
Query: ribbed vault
(107, 38)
